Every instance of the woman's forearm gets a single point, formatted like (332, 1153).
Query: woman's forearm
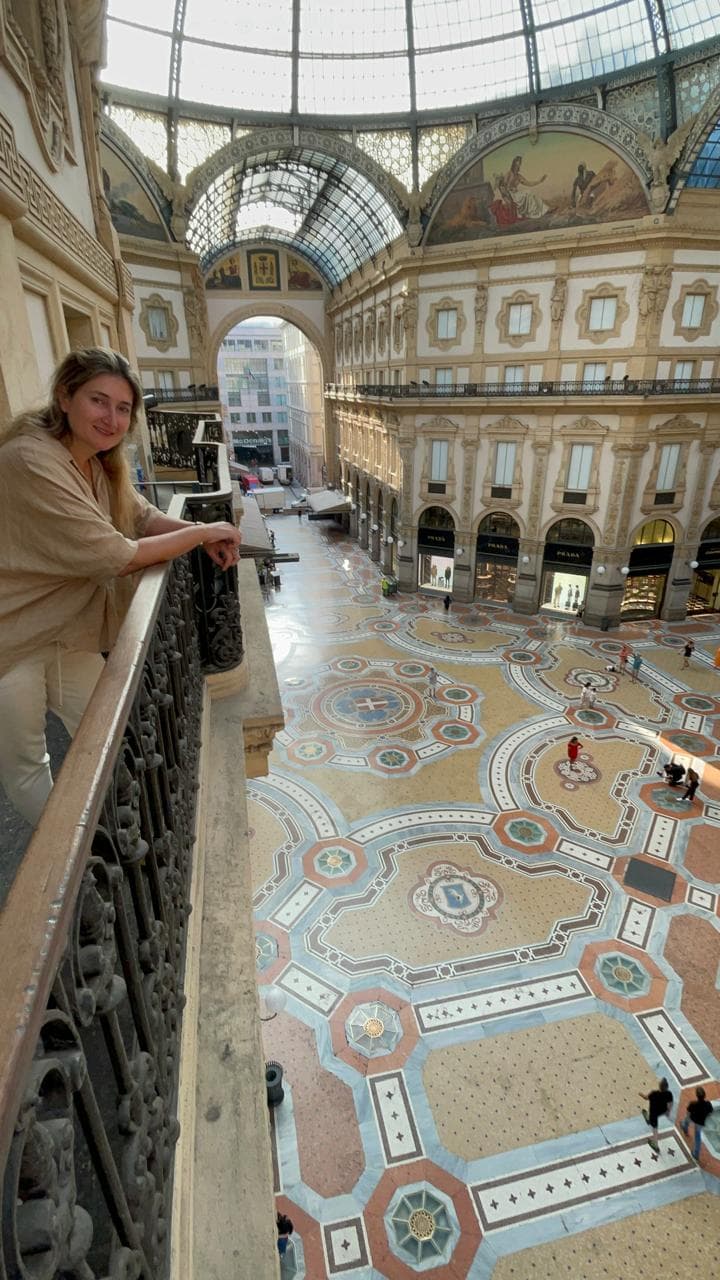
(159, 522)
(159, 547)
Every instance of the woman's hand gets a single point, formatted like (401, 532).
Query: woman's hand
(221, 541)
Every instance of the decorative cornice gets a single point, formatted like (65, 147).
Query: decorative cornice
(36, 205)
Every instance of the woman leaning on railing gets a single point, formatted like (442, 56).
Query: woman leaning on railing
(72, 529)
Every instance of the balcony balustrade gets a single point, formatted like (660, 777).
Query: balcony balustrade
(92, 938)
(503, 390)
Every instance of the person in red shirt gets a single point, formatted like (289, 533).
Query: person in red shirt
(573, 750)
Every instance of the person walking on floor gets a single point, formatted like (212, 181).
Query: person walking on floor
(285, 1229)
(697, 1111)
(623, 657)
(447, 602)
(574, 747)
(659, 1102)
(432, 682)
(688, 652)
(592, 695)
(673, 773)
(585, 696)
(692, 782)
(635, 666)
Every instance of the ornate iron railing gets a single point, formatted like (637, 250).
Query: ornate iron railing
(501, 390)
(172, 437)
(200, 394)
(92, 942)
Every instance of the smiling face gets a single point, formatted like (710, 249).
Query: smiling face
(99, 414)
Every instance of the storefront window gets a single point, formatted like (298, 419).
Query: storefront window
(643, 595)
(435, 571)
(563, 591)
(495, 580)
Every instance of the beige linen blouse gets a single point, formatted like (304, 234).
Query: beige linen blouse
(60, 554)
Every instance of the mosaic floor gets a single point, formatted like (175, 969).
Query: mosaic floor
(487, 954)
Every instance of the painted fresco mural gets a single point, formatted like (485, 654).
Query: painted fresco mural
(299, 274)
(131, 209)
(559, 180)
(225, 274)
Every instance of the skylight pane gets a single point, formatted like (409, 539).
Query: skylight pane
(137, 59)
(159, 14)
(706, 170)
(267, 25)
(263, 213)
(594, 45)
(340, 87)
(442, 22)
(690, 21)
(344, 26)
(230, 78)
(481, 73)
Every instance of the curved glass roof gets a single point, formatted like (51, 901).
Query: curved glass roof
(304, 199)
(340, 58)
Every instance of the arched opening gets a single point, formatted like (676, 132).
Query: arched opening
(567, 560)
(377, 529)
(436, 550)
(270, 385)
(705, 587)
(393, 537)
(647, 570)
(496, 557)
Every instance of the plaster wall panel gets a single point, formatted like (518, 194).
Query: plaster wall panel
(522, 270)
(441, 279)
(603, 261)
(40, 327)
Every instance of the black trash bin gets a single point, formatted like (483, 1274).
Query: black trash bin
(273, 1083)
(604, 624)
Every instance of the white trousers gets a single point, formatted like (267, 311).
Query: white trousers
(53, 679)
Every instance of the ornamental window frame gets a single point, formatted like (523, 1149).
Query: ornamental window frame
(504, 430)
(432, 323)
(520, 298)
(154, 302)
(598, 293)
(710, 310)
(584, 431)
(681, 431)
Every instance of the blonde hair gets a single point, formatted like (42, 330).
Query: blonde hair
(72, 373)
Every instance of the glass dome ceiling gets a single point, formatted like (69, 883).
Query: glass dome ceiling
(343, 58)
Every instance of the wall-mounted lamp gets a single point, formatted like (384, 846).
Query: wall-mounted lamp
(600, 568)
(525, 559)
(625, 571)
(400, 542)
(389, 541)
(353, 507)
(274, 1000)
(374, 528)
(694, 564)
(459, 551)
(363, 515)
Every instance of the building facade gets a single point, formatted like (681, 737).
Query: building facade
(306, 408)
(253, 391)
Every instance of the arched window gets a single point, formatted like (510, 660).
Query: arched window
(711, 532)
(571, 530)
(655, 532)
(380, 507)
(501, 523)
(436, 518)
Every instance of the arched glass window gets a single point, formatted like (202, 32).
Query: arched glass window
(501, 523)
(655, 532)
(436, 518)
(712, 530)
(571, 530)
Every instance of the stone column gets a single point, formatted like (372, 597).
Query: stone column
(529, 575)
(679, 580)
(605, 590)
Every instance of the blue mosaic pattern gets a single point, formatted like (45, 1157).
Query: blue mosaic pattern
(623, 974)
(420, 1227)
(374, 1029)
(266, 951)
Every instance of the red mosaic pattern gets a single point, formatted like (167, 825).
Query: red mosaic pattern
(693, 949)
(388, 1061)
(652, 999)
(387, 1262)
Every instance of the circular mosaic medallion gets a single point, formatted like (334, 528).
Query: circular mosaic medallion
(669, 798)
(392, 758)
(521, 655)
(455, 732)
(374, 1029)
(456, 693)
(383, 626)
(421, 1226)
(368, 706)
(450, 637)
(694, 702)
(411, 669)
(525, 831)
(310, 750)
(586, 716)
(334, 861)
(600, 681)
(349, 664)
(610, 646)
(623, 974)
(266, 950)
(693, 743)
(456, 896)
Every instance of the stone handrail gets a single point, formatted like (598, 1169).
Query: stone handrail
(92, 939)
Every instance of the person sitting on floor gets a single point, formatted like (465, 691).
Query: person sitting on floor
(673, 773)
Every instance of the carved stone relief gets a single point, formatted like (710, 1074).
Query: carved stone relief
(34, 53)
